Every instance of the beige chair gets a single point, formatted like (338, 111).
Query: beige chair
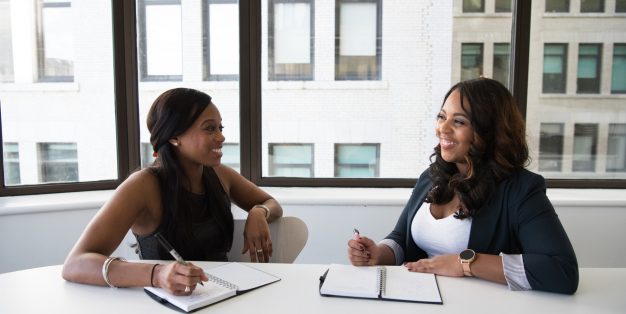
(289, 235)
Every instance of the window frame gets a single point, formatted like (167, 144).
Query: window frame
(127, 113)
(41, 49)
(206, 43)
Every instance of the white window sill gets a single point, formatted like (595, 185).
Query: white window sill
(582, 198)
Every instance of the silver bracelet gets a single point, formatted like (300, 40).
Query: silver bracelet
(105, 269)
(267, 210)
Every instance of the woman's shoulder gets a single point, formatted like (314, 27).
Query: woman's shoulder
(144, 179)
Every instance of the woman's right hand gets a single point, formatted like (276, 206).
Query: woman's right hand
(177, 278)
(363, 252)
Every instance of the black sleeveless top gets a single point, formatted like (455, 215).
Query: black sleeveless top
(209, 241)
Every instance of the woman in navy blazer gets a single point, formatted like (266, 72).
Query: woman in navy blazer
(477, 211)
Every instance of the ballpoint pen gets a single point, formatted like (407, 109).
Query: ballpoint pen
(168, 247)
(357, 234)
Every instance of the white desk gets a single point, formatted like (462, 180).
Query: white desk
(42, 290)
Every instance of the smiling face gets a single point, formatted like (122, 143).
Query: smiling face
(202, 142)
(454, 130)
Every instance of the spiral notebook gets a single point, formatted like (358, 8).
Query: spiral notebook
(394, 283)
(225, 281)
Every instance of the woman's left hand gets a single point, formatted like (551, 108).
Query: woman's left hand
(445, 265)
(256, 236)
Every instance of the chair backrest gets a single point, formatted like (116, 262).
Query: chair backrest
(289, 235)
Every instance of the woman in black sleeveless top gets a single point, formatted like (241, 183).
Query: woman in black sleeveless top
(185, 196)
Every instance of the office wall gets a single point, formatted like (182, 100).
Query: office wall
(34, 234)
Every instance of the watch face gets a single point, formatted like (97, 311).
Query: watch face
(467, 254)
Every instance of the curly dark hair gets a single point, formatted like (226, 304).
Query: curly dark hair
(499, 147)
(171, 114)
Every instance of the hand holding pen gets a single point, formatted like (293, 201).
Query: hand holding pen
(186, 273)
(359, 249)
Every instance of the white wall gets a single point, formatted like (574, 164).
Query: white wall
(40, 230)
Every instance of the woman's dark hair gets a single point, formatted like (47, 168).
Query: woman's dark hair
(171, 114)
(499, 147)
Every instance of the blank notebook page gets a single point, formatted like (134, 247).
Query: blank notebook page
(351, 281)
(401, 284)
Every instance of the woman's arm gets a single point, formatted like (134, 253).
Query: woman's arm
(262, 209)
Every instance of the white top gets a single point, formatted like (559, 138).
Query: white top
(440, 236)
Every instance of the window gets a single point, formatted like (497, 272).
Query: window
(357, 160)
(221, 40)
(291, 39)
(554, 68)
(503, 6)
(471, 61)
(291, 160)
(473, 6)
(559, 6)
(56, 41)
(160, 40)
(6, 53)
(551, 147)
(585, 146)
(618, 80)
(501, 52)
(591, 6)
(358, 37)
(616, 153)
(589, 64)
(146, 155)
(231, 155)
(58, 162)
(11, 164)
(620, 6)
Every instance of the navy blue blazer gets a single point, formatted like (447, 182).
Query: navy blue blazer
(517, 219)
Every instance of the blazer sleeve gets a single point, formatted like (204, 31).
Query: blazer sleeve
(549, 259)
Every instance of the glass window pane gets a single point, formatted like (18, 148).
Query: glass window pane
(290, 39)
(472, 6)
(554, 68)
(616, 148)
(503, 5)
(160, 39)
(557, 5)
(618, 79)
(291, 160)
(358, 40)
(471, 61)
(11, 164)
(6, 53)
(221, 40)
(589, 68)
(210, 62)
(620, 6)
(551, 147)
(357, 160)
(56, 42)
(585, 142)
(591, 5)
(63, 131)
(501, 52)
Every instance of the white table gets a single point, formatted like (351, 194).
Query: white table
(42, 290)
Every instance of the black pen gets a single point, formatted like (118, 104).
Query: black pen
(168, 247)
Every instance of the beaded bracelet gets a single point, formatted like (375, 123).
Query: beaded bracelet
(105, 269)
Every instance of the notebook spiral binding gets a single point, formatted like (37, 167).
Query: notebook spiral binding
(222, 282)
(382, 279)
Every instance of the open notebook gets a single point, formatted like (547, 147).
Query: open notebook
(380, 282)
(225, 281)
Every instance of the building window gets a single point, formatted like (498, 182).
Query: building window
(618, 80)
(291, 160)
(589, 64)
(620, 6)
(358, 37)
(147, 155)
(585, 146)
(55, 41)
(473, 6)
(357, 160)
(471, 61)
(501, 52)
(591, 6)
(231, 156)
(554, 68)
(11, 164)
(58, 162)
(160, 40)
(6, 53)
(221, 40)
(291, 39)
(503, 6)
(551, 147)
(616, 148)
(557, 6)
